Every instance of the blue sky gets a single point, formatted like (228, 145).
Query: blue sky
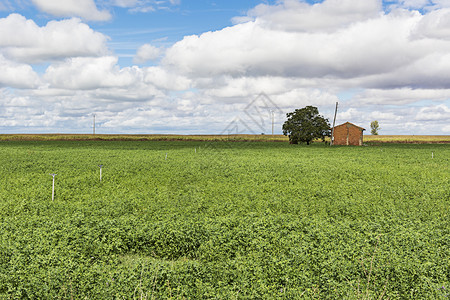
(192, 67)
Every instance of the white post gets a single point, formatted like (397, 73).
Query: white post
(432, 154)
(334, 122)
(273, 119)
(100, 172)
(94, 126)
(166, 156)
(53, 186)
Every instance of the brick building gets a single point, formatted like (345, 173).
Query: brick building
(348, 134)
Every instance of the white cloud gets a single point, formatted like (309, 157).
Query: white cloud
(435, 24)
(142, 9)
(393, 66)
(126, 3)
(446, 129)
(426, 5)
(415, 4)
(435, 113)
(166, 80)
(400, 96)
(245, 87)
(90, 73)
(294, 15)
(23, 40)
(144, 6)
(146, 53)
(254, 50)
(17, 75)
(85, 9)
(393, 50)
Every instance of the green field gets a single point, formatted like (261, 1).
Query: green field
(219, 220)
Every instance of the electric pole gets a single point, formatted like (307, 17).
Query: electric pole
(94, 125)
(334, 121)
(272, 119)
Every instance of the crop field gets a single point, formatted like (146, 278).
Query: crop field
(218, 220)
(368, 139)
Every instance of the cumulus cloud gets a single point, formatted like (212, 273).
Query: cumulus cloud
(386, 50)
(90, 73)
(297, 53)
(426, 5)
(146, 53)
(435, 24)
(17, 75)
(435, 113)
(300, 55)
(294, 15)
(23, 40)
(163, 79)
(254, 50)
(85, 9)
(400, 96)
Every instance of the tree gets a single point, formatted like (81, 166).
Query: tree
(305, 125)
(374, 127)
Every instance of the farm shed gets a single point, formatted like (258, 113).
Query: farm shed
(348, 134)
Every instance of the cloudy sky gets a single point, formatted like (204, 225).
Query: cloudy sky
(209, 67)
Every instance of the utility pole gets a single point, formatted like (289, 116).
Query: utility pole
(272, 119)
(94, 125)
(334, 122)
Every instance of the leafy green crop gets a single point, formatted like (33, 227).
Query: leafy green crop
(229, 220)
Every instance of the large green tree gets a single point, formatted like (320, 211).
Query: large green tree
(305, 125)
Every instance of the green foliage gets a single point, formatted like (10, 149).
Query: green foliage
(306, 125)
(374, 127)
(229, 221)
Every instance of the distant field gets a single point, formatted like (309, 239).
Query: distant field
(419, 139)
(407, 139)
(220, 220)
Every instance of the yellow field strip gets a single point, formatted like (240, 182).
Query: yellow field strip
(236, 137)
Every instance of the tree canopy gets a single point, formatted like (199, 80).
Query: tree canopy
(374, 127)
(305, 125)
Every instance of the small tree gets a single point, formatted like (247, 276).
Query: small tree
(374, 127)
(305, 125)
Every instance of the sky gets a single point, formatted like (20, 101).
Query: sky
(221, 67)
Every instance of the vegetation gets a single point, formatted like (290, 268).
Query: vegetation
(374, 127)
(223, 220)
(420, 139)
(306, 125)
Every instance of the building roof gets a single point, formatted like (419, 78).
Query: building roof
(348, 123)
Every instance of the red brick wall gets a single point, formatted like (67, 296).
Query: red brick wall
(347, 134)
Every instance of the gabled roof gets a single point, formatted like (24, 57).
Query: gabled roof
(348, 123)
